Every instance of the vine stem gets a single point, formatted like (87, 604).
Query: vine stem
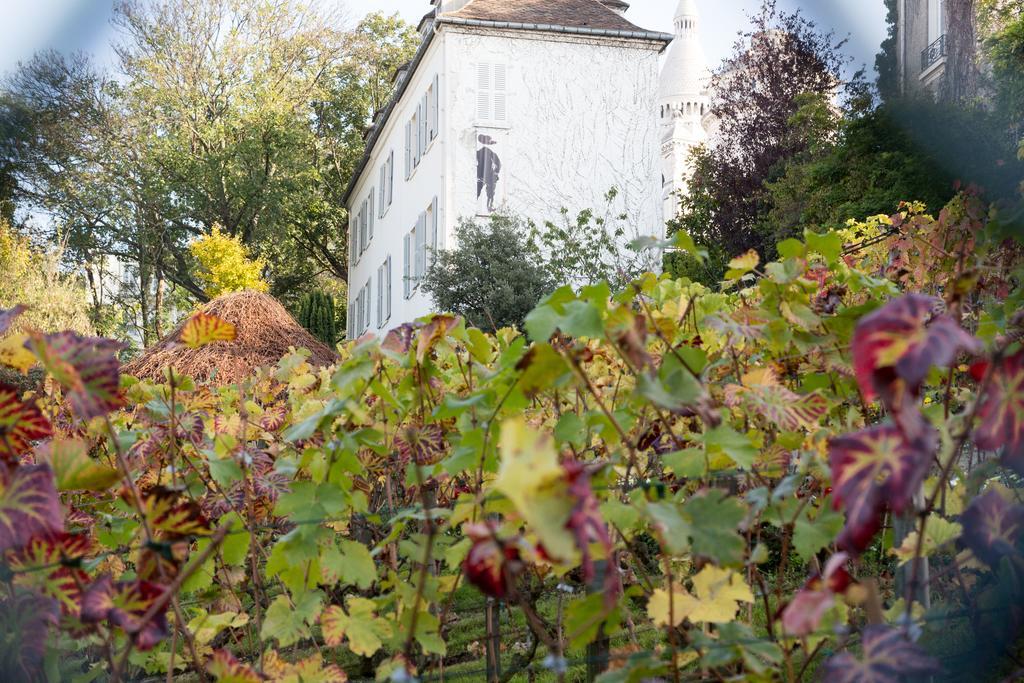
(947, 468)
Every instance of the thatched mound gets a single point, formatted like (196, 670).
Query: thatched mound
(265, 331)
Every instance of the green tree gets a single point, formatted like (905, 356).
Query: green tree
(317, 315)
(495, 276)
(224, 266)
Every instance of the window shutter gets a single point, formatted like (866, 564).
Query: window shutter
(362, 228)
(366, 320)
(351, 241)
(436, 107)
(391, 176)
(500, 97)
(387, 288)
(424, 123)
(372, 214)
(380, 295)
(406, 266)
(483, 91)
(408, 150)
(433, 231)
(348, 322)
(421, 242)
(382, 188)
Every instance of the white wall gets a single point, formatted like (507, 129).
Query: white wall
(410, 197)
(582, 118)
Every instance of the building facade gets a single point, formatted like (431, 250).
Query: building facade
(922, 45)
(528, 107)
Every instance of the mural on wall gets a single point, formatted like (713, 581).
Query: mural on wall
(490, 182)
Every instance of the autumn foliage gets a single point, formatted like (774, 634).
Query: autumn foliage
(721, 467)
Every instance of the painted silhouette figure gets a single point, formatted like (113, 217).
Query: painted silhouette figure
(488, 170)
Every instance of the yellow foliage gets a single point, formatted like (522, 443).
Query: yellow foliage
(225, 265)
(56, 300)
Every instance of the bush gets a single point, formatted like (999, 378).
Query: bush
(494, 276)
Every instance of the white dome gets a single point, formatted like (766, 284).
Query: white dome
(685, 72)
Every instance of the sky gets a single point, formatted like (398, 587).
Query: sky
(72, 25)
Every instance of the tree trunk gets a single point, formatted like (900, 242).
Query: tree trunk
(961, 81)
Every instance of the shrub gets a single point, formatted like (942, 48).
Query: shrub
(224, 266)
(317, 315)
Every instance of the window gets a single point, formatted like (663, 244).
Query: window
(384, 292)
(408, 150)
(431, 236)
(366, 305)
(389, 195)
(416, 148)
(387, 182)
(491, 95)
(421, 243)
(935, 22)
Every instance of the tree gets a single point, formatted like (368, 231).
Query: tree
(495, 276)
(886, 61)
(756, 94)
(219, 113)
(317, 315)
(224, 266)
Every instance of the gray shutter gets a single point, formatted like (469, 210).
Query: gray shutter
(372, 214)
(387, 288)
(380, 295)
(391, 176)
(424, 123)
(421, 242)
(436, 107)
(408, 149)
(351, 241)
(363, 225)
(433, 232)
(407, 266)
(366, 311)
(382, 189)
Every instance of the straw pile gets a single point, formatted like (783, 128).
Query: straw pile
(265, 331)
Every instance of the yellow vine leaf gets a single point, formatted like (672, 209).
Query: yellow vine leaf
(14, 354)
(937, 533)
(203, 329)
(533, 480)
(719, 593)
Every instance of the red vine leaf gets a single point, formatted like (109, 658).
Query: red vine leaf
(485, 563)
(424, 445)
(172, 515)
(1001, 413)
(992, 527)
(25, 622)
(46, 564)
(87, 368)
(433, 332)
(399, 340)
(871, 469)
(28, 505)
(8, 316)
(203, 329)
(21, 423)
(905, 338)
(888, 657)
(123, 604)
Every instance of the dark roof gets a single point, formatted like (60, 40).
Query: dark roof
(568, 13)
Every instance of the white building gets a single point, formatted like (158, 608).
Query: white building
(683, 104)
(532, 106)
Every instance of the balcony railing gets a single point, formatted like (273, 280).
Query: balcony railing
(933, 52)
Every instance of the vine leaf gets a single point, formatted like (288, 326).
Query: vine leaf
(39, 565)
(1001, 412)
(171, 514)
(25, 622)
(14, 354)
(717, 594)
(308, 670)
(9, 315)
(365, 632)
(532, 478)
(992, 527)
(904, 339)
(87, 368)
(872, 469)
(485, 563)
(714, 517)
(203, 329)
(937, 533)
(888, 657)
(762, 394)
(288, 622)
(28, 505)
(123, 604)
(74, 469)
(433, 332)
(21, 423)
(803, 615)
(226, 669)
